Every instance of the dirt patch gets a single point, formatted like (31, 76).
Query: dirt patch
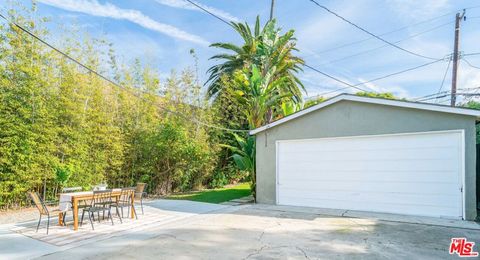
(18, 215)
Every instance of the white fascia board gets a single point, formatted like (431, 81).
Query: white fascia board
(379, 101)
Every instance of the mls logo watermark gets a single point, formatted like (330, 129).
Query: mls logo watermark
(462, 247)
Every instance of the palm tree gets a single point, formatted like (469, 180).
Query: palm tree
(265, 48)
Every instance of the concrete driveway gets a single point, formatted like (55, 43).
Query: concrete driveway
(266, 232)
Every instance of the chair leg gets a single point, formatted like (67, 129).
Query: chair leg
(39, 220)
(98, 215)
(90, 218)
(141, 203)
(122, 211)
(110, 215)
(83, 214)
(118, 214)
(63, 220)
(128, 211)
(48, 222)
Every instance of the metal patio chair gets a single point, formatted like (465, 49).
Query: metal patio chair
(42, 208)
(125, 200)
(101, 202)
(140, 193)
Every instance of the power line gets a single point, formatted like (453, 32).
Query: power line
(368, 32)
(445, 75)
(111, 81)
(470, 64)
(57, 50)
(397, 30)
(400, 72)
(383, 77)
(212, 14)
(383, 34)
(449, 94)
(334, 78)
(385, 45)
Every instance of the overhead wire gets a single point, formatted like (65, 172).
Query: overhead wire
(370, 33)
(334, 78)
(383, 77)
(445, 75)
(398, 29)
(386, 45)
(111, 81)
(210, 13)
(470, 64)
(471, 54)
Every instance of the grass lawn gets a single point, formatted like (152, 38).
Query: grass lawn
(216, 195)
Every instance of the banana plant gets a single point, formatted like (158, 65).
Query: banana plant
(244, 156)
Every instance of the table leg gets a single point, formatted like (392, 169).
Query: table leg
(75, 214)
(60, 219)
(133, 206)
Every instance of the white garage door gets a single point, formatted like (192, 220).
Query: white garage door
(414, 174)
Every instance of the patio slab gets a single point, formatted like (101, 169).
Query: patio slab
(21, 241)
(250, 232)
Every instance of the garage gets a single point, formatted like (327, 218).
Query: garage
(415, 174)
(371, 154)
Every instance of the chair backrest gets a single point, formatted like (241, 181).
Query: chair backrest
(140, 187)
(38, 202)
(71, 189)
(126, 194)
(101, 198)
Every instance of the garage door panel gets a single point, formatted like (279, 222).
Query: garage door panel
(415, 154)
(363, 144)
(419, 199)
(383, 187)
(374, 176)
(372, 173)
(371, 165)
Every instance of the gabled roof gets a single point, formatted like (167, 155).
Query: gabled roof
(371, 100)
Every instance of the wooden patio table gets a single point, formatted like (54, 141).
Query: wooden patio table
(76, 197)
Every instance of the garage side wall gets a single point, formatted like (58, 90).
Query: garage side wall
(350, 118)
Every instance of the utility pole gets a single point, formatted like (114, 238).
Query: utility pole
(271, 9)
(458, 18)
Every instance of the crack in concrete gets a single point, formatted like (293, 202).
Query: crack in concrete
(258, 251)
(261, 236)
(303, 251)
(170, 236)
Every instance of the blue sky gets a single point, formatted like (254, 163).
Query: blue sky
(162, 32)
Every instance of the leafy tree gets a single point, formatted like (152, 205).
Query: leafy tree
(258, 79)
(63, 126)
(474, 105)
(386, 95)
(313, 101)
(263, 47)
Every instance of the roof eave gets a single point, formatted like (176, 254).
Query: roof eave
(379, 101)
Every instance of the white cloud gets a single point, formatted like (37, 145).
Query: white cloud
(93, 7)
(186, 5)
(468, 77)
(418, 10)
